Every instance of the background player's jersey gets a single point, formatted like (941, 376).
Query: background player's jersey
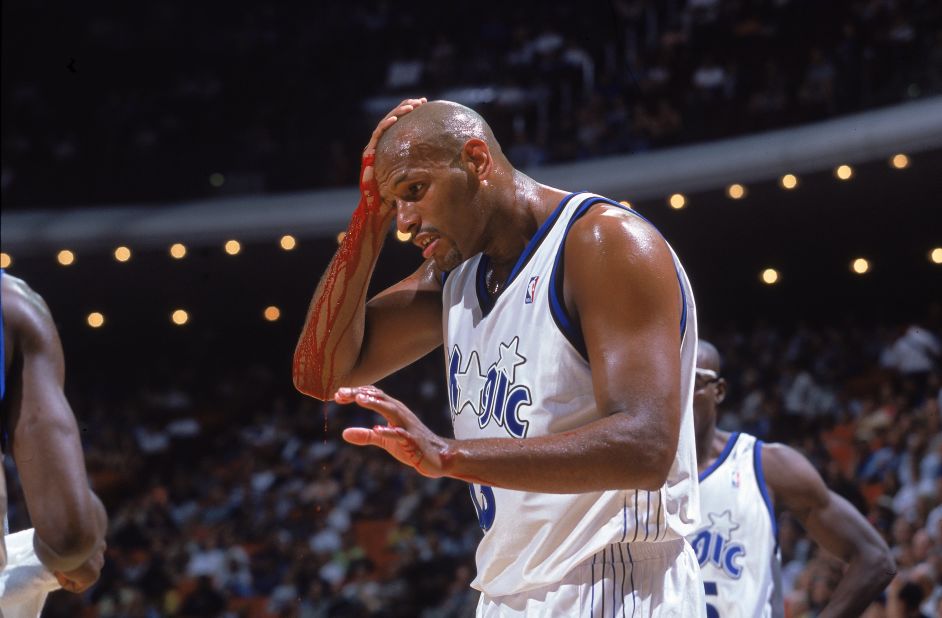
(517, 368)
(736, 545)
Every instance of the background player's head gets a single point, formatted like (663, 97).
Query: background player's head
(709, 387)
(442, 168)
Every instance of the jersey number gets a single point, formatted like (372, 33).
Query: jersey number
(709, 588)
(483, 498)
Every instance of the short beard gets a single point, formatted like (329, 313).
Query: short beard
(452, 260)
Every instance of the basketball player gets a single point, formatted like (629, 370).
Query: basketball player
(66, 546)
(742, 481)
(569, 332)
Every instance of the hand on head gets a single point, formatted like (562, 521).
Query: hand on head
(368, 186)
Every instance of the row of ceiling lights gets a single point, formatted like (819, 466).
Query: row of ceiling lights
(181, 317)
(788, 182)
(272, 313)
(178, 251)
(287, 242)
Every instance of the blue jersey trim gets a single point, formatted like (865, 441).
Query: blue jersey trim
(760, 480)
(484, 298)
(569, 328)
(719, 460)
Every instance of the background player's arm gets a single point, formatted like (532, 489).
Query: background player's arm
(69, 519)
(632, 332)
(347, 340)
(834, 524)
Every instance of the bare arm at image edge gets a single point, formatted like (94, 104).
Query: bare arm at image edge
(833, 523)
(69, 519)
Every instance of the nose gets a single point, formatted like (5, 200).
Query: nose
(407, 219)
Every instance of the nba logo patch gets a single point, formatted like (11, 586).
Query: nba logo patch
(531, 290)
(734, 478)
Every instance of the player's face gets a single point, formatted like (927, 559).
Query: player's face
(436, 204)
(708, 391)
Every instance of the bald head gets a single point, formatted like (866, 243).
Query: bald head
(437, 129)
(708, 357)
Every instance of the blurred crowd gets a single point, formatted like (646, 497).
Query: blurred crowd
(231, 496)
(179, 100)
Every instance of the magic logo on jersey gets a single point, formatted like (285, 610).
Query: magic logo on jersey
(494, 395)
(714, 544)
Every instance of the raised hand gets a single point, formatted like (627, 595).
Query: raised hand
(368, 185)
(405, 437)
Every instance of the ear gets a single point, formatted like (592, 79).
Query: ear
(477, 154)
(720, 391)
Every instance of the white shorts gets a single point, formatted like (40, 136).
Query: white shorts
(623, 580)
(25, 582)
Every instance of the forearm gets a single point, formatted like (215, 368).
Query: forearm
(68, 546)
(866, 576)
(616, 452)
(330, 342)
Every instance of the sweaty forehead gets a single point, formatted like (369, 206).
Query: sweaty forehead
(394, 158)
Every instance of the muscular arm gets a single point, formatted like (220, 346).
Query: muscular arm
(69, 519)
(632, 332)
(347, 340)
(834, 524)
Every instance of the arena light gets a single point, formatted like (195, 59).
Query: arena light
(288, 242)
(625, 203)
(122, 254)
(844, 172)
(178, 251)
(95, 319)
(180, 317)
(736, 191)
(217, 180)
(233, 247)
(769, 276)
(66, 257)
(861, 266)
(5, 260)
(789, 181)
(900, 161)
(935, 256)
(677, 201)
(400, 236)
(272, 313)
(340, 237)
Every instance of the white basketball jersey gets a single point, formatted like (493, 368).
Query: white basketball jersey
(517, 369)
(736, 546)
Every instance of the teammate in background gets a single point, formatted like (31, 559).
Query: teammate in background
(741, 478)
(66, 546)
(569, 333)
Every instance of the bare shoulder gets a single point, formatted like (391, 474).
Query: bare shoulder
(25, 313)
(791, 477)
(608, 230)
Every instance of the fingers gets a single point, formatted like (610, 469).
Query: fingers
(400, 110)
(348, 394)
(363, 436)
(372, 398)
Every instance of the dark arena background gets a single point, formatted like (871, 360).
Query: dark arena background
(790, 151)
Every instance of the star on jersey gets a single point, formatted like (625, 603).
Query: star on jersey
(714, 545)
(493, 395)
(723, 524)
(509, 362)
(470, 384)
